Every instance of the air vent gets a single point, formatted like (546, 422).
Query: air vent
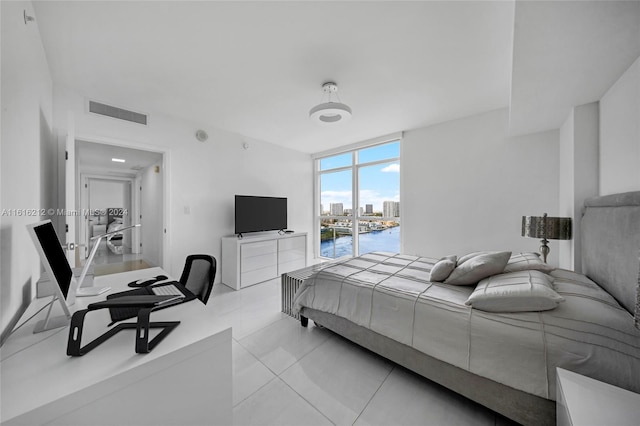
(119, 113)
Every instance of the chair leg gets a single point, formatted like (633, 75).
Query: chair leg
(142, 326)
(143, 345)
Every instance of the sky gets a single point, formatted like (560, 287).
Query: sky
(378, 183)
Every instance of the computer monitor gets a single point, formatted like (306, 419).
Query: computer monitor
(55, 262)
(66, 287)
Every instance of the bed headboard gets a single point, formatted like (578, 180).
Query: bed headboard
(113, 213)
(610, 231)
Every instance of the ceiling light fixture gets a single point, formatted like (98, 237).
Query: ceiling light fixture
(330, 112)
(118, 160)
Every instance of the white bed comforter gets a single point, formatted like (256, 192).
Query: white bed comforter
(391, 294)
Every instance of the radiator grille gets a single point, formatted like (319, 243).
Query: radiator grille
(119, 113)
(290, 283)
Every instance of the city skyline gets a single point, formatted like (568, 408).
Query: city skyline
(389, 208)
(378, 183)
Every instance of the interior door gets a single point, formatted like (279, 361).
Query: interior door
(70, 193)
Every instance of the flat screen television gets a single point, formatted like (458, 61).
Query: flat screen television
(256, 214)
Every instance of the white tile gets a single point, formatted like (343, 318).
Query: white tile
(408, 399)
(224, 299)
(249, 374)
(248, 321)
(284, 342)
(277, 404)
(338, 378)
(247, 310)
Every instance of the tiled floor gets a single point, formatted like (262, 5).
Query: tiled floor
(285, 374)
(114, 268)
(106, 262)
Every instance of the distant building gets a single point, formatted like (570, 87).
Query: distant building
(391, 209)
(360, 211)
(368, 209)
(336, 209)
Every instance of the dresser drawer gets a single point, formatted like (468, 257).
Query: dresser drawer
(248, 264)
(258, 275)
(285, 267)
(293, 243)
(258, 248)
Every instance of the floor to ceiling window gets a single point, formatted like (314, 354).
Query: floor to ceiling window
(359, 201)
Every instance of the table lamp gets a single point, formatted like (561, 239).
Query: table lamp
(546, 228)
(94, 291)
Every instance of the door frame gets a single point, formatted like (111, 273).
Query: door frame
(85, 179)
(166, 179)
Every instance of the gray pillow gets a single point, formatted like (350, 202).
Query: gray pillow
(452, 257)
(471, 255)
(527, 262)
(442, 269)
(479, 267)
(522, 291)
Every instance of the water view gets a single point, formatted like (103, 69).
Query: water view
(384, 240)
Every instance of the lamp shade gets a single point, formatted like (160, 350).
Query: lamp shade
(545, 227)
(330, 112)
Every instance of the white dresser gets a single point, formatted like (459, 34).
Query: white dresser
(255, 259)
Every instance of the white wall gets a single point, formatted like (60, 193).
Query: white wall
(579, 175)
(466, 185)
(28, 155)
(151, 209)
(620, 134)
(203, 176)
(105, 194)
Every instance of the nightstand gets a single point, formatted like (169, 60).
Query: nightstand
(585, 401)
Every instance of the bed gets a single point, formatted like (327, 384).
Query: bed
(115, 221)
(505, 361)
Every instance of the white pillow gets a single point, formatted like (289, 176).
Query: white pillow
(471, 255)
(451, 257)
(479, 267)
(522, 291)
(443, 269)
(527, 262)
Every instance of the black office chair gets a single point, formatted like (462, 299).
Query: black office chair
(198, 275)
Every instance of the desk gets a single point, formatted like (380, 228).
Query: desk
(190, 368)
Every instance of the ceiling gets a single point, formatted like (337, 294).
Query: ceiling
(96, 158)
(568, 53)
(256, 68)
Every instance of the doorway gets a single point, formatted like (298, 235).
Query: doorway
(108, 206)
(116, 187)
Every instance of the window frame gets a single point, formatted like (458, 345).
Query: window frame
(355, 167)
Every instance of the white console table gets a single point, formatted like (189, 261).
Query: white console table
(255, 259)
(583, 401)
(186, 379)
